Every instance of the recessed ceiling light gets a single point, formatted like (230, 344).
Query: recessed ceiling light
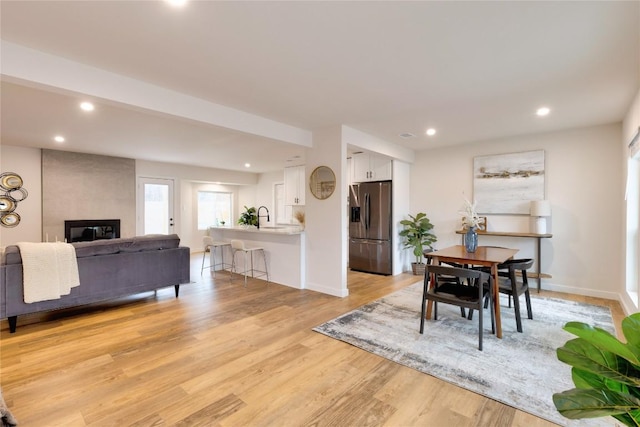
(543, 111)
(87, 106)
(247, 165)
(431, 131)
(177, 3)
(58, 138)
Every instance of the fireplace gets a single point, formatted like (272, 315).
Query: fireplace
(86, 230)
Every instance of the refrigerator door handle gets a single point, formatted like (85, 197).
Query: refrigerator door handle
(367, 207)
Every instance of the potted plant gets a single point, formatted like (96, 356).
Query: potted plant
(248, 217)
(417, 235)
(606, 373)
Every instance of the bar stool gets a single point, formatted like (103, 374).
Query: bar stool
(238, 246)
(210, 247)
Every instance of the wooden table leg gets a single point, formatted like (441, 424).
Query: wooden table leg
(434, 261)
(496, 299)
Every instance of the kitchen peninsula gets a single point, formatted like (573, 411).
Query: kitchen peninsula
(284, 248)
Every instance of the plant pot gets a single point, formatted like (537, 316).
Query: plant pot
(418, 268)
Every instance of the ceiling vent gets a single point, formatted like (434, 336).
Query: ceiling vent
(407, 135)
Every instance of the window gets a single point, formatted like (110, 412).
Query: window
(214, 208)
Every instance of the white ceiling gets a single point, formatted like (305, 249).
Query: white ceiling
(473, 70)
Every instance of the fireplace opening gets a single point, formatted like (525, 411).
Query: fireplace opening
(86, 230)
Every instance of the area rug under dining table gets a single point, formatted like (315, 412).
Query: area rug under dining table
(520, 370)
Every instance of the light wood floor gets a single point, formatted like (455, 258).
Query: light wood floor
(225, 355)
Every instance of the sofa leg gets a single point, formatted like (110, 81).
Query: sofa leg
(177, 289)
(13, 323)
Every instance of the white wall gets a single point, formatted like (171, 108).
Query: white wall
(402, 258)
(583, 178)
(26, 162)
(326, 234)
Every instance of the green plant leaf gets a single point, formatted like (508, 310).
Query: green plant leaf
(630, 419)
(631, 332)
(603, 340)
(580, 403)
(417, 234)
(583, 355)
(588, 380)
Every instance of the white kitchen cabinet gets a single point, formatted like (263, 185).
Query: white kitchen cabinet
(294, 185)
(370, 167)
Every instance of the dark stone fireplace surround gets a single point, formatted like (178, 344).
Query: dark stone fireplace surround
(87, 230)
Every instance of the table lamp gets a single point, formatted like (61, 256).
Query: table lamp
(539, 210)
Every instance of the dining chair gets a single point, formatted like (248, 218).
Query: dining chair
(468, 290)
(513, 281)
(429, 260)
(514, 285)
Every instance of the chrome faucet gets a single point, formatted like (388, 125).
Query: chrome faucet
(265, 208)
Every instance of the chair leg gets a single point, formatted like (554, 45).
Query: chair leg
(204, 255)
(233, 265)
(480, 325)
(424, 304)
(516, 308)
(213, 258)
(266, 269)
(252, 273)
(245, 269)
(528, 301)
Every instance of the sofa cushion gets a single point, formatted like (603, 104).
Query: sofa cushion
(108, 246)
(152, 242)
(100, 247)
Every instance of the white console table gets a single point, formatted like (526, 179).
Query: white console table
(538, 274)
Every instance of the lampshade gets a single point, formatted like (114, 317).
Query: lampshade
(540, 208)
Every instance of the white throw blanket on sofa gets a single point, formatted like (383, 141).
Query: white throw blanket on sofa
(49, 270)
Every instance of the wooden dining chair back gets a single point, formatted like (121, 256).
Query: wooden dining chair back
(468, 290)
(515, 283)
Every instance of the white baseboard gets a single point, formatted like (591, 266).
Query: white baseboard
(326, 290)
(578, 291)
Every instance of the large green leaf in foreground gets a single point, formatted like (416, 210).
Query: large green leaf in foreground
(606, 373)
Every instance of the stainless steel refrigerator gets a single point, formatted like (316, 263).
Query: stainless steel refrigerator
(370, 227)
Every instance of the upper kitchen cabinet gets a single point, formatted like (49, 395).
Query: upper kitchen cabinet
(294, 185)
(370, 167)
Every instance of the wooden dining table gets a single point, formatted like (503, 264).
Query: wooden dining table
(486, 256)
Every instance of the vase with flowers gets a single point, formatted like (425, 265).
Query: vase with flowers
(470, 221)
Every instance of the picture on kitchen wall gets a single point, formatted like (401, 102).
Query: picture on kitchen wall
(506, 183)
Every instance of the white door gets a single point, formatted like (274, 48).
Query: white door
(155, 199)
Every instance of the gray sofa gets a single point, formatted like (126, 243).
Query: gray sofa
(108, 269)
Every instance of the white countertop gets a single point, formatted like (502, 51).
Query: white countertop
(280, 229)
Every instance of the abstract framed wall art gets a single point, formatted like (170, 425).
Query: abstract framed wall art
(506, 183)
